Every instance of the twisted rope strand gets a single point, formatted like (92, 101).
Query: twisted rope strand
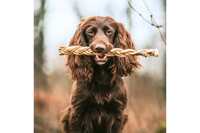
(78, 50)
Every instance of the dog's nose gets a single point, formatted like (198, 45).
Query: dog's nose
(100, 48)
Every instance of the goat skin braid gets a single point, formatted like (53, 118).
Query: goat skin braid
(78, 50)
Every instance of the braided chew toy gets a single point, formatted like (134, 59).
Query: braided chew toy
(78, 50)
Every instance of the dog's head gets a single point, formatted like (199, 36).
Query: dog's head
(101, 34)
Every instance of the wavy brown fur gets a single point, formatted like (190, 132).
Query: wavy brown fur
(99, 94)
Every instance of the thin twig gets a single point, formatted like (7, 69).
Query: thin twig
(139, 13)
(153, 21)
(147, 7)
(162, 37)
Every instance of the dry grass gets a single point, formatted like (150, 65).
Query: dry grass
(146, 106)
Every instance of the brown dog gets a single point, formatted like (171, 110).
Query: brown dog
(99, 94)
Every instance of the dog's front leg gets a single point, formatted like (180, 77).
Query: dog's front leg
(81, 122)
(65, 120)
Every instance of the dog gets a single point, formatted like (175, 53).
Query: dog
(99, 94)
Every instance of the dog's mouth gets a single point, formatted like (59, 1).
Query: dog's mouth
(100, 60)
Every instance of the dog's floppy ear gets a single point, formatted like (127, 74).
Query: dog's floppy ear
(79, 37)
(124, 65)
(80, 65)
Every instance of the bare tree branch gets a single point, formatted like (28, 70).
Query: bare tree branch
(153, 21)
(139, 13)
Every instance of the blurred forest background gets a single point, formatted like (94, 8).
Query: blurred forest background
(55, 22)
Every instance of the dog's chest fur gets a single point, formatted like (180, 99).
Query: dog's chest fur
(100, 99)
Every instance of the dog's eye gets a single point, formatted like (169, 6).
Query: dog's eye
(108, 32)
(91, 33)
